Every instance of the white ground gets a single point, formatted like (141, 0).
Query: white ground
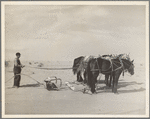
(33, 99)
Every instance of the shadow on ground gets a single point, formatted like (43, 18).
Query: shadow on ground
(125, 84)
(121, 91)
(106, 89)
(30, 85)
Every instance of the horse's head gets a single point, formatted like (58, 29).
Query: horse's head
(128, 65)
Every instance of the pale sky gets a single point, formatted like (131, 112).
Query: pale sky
(64, 33)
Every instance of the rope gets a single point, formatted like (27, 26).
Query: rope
(9, 79)
(51, 68)
(28, 76)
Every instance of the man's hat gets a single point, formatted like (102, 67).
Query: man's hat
(18, 53)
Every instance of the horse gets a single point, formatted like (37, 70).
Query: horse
(111, 56)
(107, 67)
(79, 66)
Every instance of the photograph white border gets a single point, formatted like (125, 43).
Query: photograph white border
(3, 3)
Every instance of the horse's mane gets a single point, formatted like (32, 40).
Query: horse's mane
(115, 56)
(125, 56)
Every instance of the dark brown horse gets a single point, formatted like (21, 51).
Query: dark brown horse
(113, 67)
(107, 75)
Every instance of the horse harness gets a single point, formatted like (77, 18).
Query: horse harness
(111, 66)
(100, 71)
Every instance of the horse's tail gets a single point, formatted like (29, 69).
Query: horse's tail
(76, 64)
(74, 69)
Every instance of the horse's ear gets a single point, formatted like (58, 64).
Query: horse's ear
(132, 61)
(128, 54)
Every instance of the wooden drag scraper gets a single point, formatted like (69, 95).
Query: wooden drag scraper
(51, 83)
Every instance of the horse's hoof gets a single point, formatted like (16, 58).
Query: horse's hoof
(95, 92)
(116, 93)
(84, 90)
(90, 92)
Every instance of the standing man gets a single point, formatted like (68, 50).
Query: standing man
(17, 70)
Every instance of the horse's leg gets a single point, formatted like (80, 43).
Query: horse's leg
(88, 78)
(85, 77)
(82, 75)
(113, 76)
(93, 81)
(79, 78)
(106, 79)
(115, 85)
(110, 80)
(93, 85)
(117, 75)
